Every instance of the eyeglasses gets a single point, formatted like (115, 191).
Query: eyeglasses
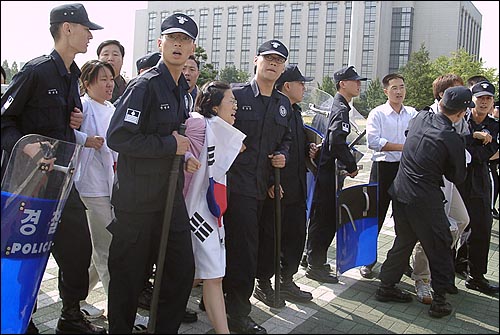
(271, 58)
(232, 101)
(177, 37)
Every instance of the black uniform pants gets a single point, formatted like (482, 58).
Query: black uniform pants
(293, 235)
(241, 222)
(321, 230)
(478, 243)
(72, 250)
(136, 238)
(384, 174)
(431, 227)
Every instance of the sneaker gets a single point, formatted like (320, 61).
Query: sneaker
(140, 323)
(91, 312)
(423, 290)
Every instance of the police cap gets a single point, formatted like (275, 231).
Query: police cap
(74, 13)
(179, 23)
(273, 47)
(483, 88)
(347, 73)
(457, 98)
(292, 73)
(148, 61)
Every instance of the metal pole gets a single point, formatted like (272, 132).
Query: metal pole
(277, 236)
(167, 217)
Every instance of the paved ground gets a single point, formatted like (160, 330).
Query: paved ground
(347, 307)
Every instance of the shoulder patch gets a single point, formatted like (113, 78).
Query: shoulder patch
(283, 111)
(346, 127)
(132, 116)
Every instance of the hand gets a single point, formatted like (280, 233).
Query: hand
(270, 192)
(182, 143)
(192, 165)
(482, 136)
(353, 174)
(94, 142)
(313, 150)
(243, 147)
(278, 160)
(76, 118)
(33, 149)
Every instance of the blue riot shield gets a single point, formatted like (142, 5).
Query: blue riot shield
(35, 186)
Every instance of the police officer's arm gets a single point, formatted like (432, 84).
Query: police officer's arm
(482, 152)
(339, 129)
(456, 168)
(124, 133)
(13, 102)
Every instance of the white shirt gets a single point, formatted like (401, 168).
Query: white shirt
(96, 166)
(386, 125)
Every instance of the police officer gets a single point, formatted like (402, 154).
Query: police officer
(481, 143)
(322, 227)
(43, 98)
(147, 61)
(293, 205)
(263, 115)
(433, 149)
(143, 130)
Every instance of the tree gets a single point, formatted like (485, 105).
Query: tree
(328, 85)
(231, 74)
(207, 70)
(374, 95)
(418, 79)
(8, 74)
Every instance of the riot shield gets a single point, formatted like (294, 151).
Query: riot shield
(35, 186)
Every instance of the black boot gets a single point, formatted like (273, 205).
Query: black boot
(291, 292)
(72, 321)
(265, 293)
(439, 306)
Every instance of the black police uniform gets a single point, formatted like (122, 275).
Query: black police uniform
(432, 149)
(322, 227)
(293, 205)
(476, 193)
(150, 109)
(40, 100)
(267, 128)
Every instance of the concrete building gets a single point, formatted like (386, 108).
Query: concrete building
(322, 36)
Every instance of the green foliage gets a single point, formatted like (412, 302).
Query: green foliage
(328, 85)
(231, 74)
(207, 71)
(9, 71)
(374, 95)
(418, 79)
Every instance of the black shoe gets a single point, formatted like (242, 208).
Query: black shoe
(481, 285)
(461, 270)
(32, 328)
(440, 309)
(201, 305)
(366, 271)
(78, 326)
(244, 325)
(190, 316)
(409, 271)
(304, 264)
(265, 293)
(145, 297)
(320, 274)
(452, 289)
(392, 294)
(291, 292)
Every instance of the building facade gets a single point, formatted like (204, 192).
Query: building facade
(377, 37)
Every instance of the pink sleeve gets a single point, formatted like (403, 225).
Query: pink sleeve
(195, 132)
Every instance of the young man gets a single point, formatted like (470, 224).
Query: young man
(191, 71)
(482, 144)
(293, 205)
(385, 132)
(112, 51)
(143, 130)
(432, 149)
(41, 99)
(263, 115)
(322, 227)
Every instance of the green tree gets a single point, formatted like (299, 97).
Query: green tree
(231, 74)
(418, 79)
(207, 70)
(374, 95)
(13, 70)
(328, 85)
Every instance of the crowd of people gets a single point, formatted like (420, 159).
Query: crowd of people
(217, 206)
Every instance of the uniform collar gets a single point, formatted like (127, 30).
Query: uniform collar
(340, 98)
(170, 80)
(255, 89)
(61, 68)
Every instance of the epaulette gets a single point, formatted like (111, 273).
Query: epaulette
(240, 85)
(151, 73)
(37, 61)
(426, 108)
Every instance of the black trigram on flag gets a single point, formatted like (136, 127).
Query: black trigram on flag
(200, 228)
(211, 155)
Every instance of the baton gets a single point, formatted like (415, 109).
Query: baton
(277, 235)
(167, 218)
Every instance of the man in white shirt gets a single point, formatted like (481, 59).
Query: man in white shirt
(385, 129)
